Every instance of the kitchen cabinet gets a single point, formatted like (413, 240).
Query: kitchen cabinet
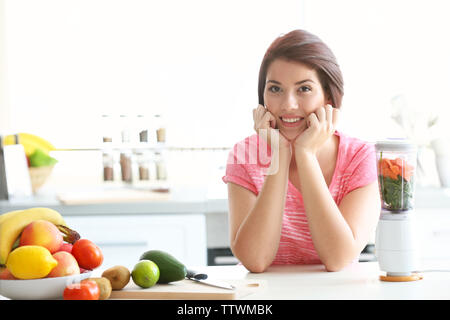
(123, 239)
(433, 232)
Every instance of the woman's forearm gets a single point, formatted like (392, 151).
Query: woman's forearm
(257, 239)
(331, 235)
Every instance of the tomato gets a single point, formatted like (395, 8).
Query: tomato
(88, 255)
(85, 290)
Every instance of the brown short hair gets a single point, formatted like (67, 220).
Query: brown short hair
(304, 47)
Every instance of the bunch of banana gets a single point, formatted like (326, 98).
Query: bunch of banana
(13, 223)
(30, 143)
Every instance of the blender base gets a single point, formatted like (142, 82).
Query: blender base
(412, 277)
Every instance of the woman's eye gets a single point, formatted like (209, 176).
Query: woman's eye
(274, 89)
(304, 89)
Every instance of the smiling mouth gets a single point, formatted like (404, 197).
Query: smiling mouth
(291, 121)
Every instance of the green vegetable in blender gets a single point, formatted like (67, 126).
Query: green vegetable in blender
(397, 193)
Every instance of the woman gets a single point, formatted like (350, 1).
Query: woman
(321, 203)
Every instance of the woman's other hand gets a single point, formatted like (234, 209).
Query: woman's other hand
(265, 124)
(321, 126)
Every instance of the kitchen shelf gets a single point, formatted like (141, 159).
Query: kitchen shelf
(141, 146)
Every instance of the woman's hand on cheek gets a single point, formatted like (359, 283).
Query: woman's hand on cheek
(321, 125)
(265, 124)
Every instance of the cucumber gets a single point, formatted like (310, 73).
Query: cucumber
(170, 269)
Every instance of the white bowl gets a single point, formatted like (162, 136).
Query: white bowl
(36, 289)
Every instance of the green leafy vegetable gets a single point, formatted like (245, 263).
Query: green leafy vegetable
(397, 193)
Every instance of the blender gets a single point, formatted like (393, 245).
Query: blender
(395, 239)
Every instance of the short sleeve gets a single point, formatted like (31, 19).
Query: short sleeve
(363, 168)
(236, 171)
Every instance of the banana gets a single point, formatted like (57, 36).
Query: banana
(3, 216)
(30, 143)
(15, 222)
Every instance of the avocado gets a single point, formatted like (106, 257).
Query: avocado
(170, 269)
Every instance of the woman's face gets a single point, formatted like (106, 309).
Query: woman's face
(292, 92)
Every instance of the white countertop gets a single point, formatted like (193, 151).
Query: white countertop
(359, 281)
(356, 282)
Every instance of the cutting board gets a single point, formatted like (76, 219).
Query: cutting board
(190, 290)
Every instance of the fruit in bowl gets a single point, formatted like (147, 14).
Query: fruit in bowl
(36, 249)
(13, 223)
(41, 165)
(5, 274)
(30, 262)
(67, 265)
(42, 233)
(37, 152)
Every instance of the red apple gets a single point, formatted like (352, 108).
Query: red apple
(5, 274)
(67, 265)
(42, 233)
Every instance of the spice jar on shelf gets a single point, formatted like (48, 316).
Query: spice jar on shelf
(161, 184)
(126, 166)
(160, 128)
(160, 164)
(143, 127)
(143, 161)
(107, 127)
(125, 129)
(107, 151)
(108, 166)
(126, 161)
(142, 153)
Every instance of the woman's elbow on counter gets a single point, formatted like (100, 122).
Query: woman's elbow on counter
(251, 264)
(339, 261)
(256, 267)
(335, 266)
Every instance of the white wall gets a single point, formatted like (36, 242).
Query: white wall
(196, 61)
(70, 61)
(386, 48)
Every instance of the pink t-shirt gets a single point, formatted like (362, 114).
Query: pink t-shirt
(355, 168)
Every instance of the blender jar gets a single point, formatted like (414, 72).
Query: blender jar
(396, 168)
